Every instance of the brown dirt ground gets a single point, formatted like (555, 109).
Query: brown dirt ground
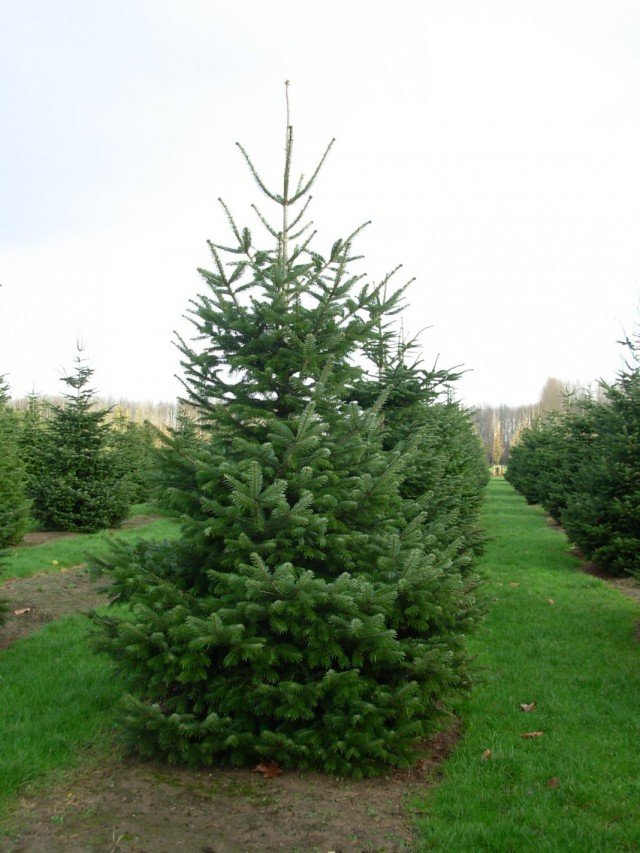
(627, 586)
(38, 537)
(47, 596)
(132, 806)
(51, 595)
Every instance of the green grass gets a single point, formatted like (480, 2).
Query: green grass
(56, 700)
(579, 661)
(26, 560)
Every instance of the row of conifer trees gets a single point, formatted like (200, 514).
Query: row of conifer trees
(583, 466)
(69, 467)
(314, 610)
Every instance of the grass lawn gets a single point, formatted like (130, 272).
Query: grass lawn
(67, 551)
(56, 699)
(577, 787)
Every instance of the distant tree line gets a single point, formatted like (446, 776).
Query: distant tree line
(161, 414)
(582, 464)
(499, 427)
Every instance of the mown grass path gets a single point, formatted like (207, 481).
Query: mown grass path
(577, 787)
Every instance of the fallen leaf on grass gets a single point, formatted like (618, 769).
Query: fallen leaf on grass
(553, 783)
(530, 735)
(269, 771)
(527, 708)
(514, 583)
(22, 611)
(550, 601)
(486, 754)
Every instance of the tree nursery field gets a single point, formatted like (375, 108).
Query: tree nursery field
(322, 631)
(556, 640)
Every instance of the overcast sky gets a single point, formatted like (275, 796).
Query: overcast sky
(494, 145)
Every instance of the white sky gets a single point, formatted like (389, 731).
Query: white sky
(495, 146)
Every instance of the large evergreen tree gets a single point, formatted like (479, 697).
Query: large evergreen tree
(77, 485)
(299, 618)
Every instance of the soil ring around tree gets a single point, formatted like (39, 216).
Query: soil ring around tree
(131, 805)
(40, 537)
(136, 806)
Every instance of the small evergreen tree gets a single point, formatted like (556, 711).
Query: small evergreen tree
(300, 617)
(14, 504)
(78, 485)
(545, 462)
(449, 472)
(31, 439)
(132, 446)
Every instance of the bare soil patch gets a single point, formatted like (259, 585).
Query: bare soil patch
(555, 524)
(627, 586)
(46, 597)
(136, 806)
(39, 537)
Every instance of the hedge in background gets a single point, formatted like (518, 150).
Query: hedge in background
(14, 504)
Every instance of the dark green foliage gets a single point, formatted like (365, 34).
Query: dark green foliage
(14, 504)
(132, 447)
(583, 466)
(300, 618)
(31, 439)
(77, 485)
(452, 450)
(538, 465)
(545, 462)
(603, 511)
(173, 469)
(449, 473)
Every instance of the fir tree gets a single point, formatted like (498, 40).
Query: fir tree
(544, 464)
(602, 514)
(31, 439)
(299, 618)
(14, 504)
(132, 446)
(449, 472)
(78, 485)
